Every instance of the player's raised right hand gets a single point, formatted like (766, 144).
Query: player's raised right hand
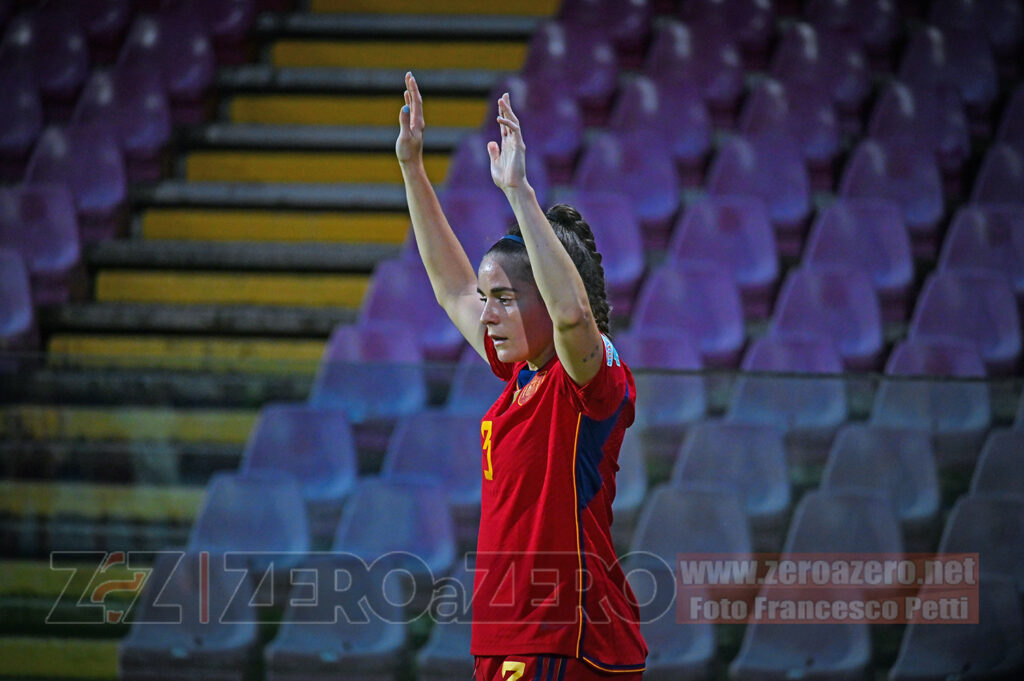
(409, 145)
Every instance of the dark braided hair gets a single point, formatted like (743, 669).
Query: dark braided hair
(578, 239)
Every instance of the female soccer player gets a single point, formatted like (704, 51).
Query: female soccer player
(550, 601)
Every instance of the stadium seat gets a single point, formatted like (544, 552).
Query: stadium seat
(259, 511)
(638, 164)
(1001, 176)
(992, 648)
(992, 527)
(807, 410)
(1011, 124)
(445, 446)
(874, 25)
(835, 301)
(630, 489)
(1000, 21)
(105, 23)
(578, 62)
(899, 463)
(403, 518)
(930, 116)
(87, 158)
(769, 166)
(133, 100)
(619, 240)
(700, 299)
(735, 232)
(474, 386)
(153, 44)
(907, 173)
(977, 306)
(22, 108)
(750, 24)
(673, 109)
(372, 371)
(677, 53)
(668, 401)
(803, 112)
(818, 62)
(470, 168)
(958, 57)
(342, 621)
(822, 523)
(314, 446)
(988, 237)
(955, 414)
(675, 650)
(550, 115)
(446, 654)
(867, 234)
(18, 331)
(627, 25)
(229, 24)
(750, 458)
(38, 221)
(1000, 468)
(176, 635)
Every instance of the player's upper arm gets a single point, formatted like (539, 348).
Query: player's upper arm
(580, 348)
(465, 310)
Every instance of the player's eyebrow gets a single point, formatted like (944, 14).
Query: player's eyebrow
(498, 289)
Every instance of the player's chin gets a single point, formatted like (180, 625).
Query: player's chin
(507, 351)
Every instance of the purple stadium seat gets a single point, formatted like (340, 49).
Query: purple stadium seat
(133, 100)
(38, 221)
(958, 58)
(700, 299)
(551, 118)
(105, 23)
(932, 116)
(579, 62)
(618, 238)
(1000, 468)
(627, 25)
(258, 511)
(154, 43)
(735, 232)
(988, 236)
(1001, 176)
(474, 386)
(229, 24)
(955, 414)
(1000, 21)
(630, 489)
(748, 23)
(22, 112)
(314, 446)
(50, 41)
(177, 636)
(343, 619)
(391, 297)
(479, 216)
(750, 458)
(18, 331)
(906, 173)
(808, 410)
(803, 112)
(976, 306)
(637, 164)
(836, 301)
(87, 158)
(993, 527)
(470, 168)
(404, 515)
(867, 234)
(446, 447)
(669, 401)
(897, 462)
(1011, 125)
(675, 110)
(770, 166)
(875, 25)
(677, 52)
(824, 63)
(373, 371)
(990, 648)
(823, 522)
(446, 654)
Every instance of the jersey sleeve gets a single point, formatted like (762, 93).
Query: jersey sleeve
(606, 391)
(502, 370)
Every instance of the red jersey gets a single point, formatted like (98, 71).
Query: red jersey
(547, 577)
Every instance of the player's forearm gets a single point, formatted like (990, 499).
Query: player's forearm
(557, 279)
(451, 273)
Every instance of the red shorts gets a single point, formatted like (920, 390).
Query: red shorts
(543, 668)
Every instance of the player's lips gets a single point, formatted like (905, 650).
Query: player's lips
(497, 340)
